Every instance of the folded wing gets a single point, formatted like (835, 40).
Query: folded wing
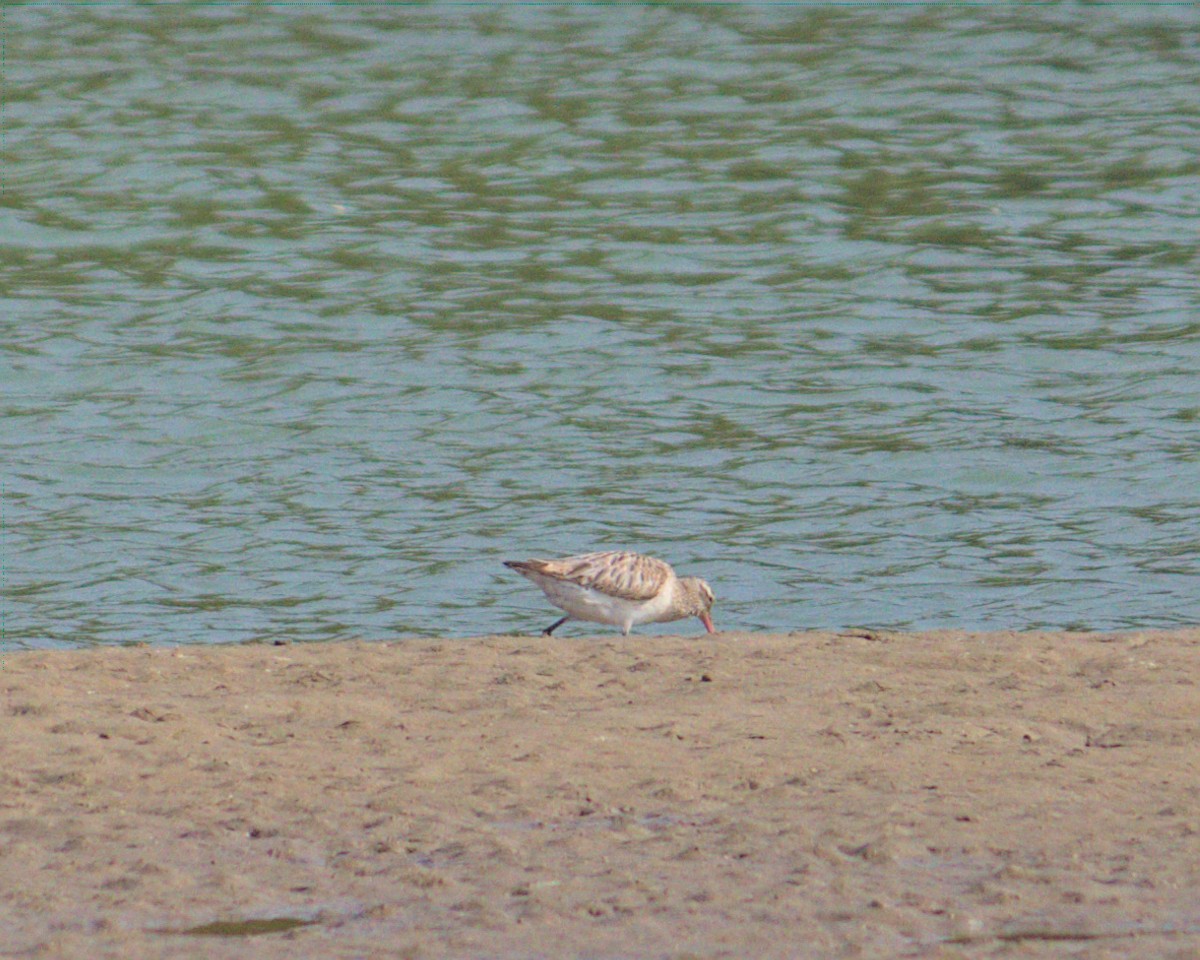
(629, 576)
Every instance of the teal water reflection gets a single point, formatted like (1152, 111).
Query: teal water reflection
(871, 316)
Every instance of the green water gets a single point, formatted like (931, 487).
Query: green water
(242, 928)
(878, 316)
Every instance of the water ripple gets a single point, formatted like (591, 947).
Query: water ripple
(872, 316)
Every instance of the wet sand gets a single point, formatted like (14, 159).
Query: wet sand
(743, 795)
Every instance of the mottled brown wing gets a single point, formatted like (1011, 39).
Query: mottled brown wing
(629, 576)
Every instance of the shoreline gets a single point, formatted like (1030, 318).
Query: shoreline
(813, 794)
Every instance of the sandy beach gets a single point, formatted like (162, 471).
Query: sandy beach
(742, 795)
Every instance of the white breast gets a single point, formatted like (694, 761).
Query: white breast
(584, 603)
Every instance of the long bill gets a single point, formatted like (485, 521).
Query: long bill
(707, 621)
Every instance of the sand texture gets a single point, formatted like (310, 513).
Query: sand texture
(742, 795)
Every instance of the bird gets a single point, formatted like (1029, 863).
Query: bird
(619, 588)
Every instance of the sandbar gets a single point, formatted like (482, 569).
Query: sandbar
(812, 794)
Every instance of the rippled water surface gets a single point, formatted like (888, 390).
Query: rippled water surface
(873, 316)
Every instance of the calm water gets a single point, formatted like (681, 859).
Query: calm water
(873, 316)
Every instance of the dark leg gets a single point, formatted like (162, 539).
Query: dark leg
(554, 626)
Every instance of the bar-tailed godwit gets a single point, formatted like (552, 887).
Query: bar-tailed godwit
(619, 588)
